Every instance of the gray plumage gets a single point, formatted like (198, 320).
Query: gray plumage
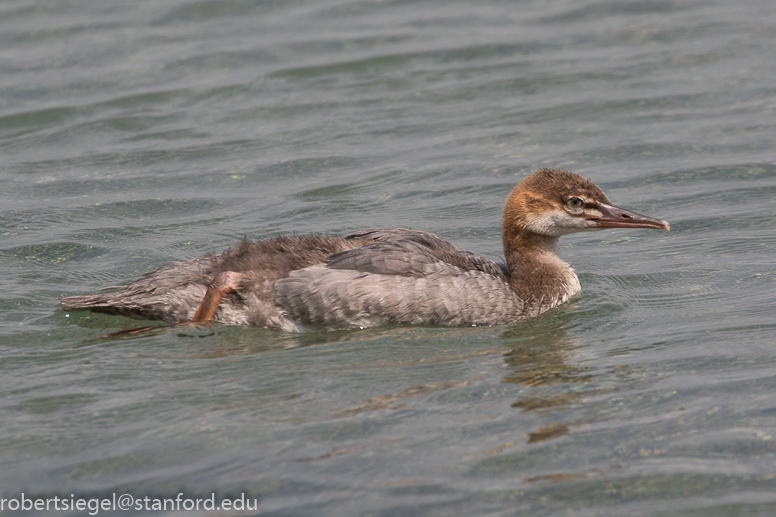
(369, 277)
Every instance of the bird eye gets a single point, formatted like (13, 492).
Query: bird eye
(575, 202)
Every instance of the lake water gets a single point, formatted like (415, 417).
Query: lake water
(137, 133)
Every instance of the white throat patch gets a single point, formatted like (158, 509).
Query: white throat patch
(557, 223)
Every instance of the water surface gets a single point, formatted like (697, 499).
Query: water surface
(137, 133)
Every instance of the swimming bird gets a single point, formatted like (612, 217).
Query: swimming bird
(385, 275)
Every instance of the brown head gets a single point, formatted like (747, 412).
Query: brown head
(551, 203)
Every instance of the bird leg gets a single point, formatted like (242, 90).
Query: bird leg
(224, 284)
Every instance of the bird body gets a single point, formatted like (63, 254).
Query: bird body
(382, 275)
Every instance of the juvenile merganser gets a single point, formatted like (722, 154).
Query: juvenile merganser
(382, 275)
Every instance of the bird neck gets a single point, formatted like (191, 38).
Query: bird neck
(536, 273)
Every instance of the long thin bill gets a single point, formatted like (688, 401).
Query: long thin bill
(615, 217)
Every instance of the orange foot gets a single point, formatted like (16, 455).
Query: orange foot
(224, 284)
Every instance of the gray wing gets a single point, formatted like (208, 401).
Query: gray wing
(399, 281)
(427, 239)
(399, 257)
(443, 248)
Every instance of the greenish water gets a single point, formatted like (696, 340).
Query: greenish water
(137, 133)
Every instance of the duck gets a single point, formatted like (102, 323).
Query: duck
(382, 275)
